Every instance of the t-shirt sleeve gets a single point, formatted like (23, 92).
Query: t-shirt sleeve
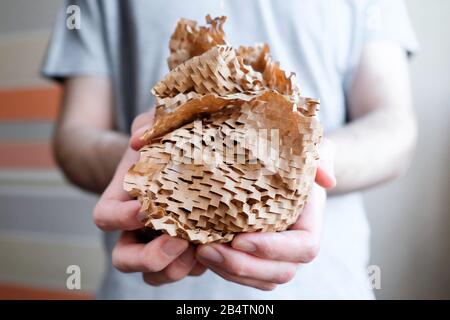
(388, 20)
(378, 20)
(76, 50)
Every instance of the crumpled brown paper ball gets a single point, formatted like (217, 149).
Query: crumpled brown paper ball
(233, 147)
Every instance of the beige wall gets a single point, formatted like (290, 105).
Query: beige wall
(45, 224)
(410, 217)
(24, 32)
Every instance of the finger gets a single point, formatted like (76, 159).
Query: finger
(131, 256)
(140, 125)
(143, 120)
(115, 188)
(262, 285)
(300, 244)
(296, 246)
(136, 141)
(116, 210)
(311, 217)
(324, 179)
(110, 215)
(241, 264)
(175, 271)
(197, 270)
(325, 176)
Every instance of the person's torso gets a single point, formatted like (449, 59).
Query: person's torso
(312, 38)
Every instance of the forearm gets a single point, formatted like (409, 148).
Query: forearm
(89, 156)
(373, 149)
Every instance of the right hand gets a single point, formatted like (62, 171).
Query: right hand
(164, 259)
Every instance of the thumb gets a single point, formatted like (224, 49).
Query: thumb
(140, 124)
(325, 176)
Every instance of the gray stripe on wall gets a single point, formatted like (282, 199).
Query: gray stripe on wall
(25, 131)
(41, 201)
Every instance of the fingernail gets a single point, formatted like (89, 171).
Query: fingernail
(173, 246)
(211, 254)
(245, 245)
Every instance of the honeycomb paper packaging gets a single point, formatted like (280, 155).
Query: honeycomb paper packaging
(233, 147)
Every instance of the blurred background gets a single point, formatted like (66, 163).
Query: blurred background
(46, 225)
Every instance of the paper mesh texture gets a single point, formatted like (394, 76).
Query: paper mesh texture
(233, 147)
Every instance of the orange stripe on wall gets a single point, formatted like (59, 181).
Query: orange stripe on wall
(16, 292)
(30, 103)
(26, 155)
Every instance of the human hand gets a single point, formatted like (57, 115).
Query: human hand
(164, 259)
(265, 259)
(269, 259)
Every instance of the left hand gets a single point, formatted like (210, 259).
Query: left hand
(265, 259)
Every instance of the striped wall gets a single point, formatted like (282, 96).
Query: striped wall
(45, 224)
(27, 116)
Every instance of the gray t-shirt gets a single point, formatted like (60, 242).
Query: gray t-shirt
(320, 40)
